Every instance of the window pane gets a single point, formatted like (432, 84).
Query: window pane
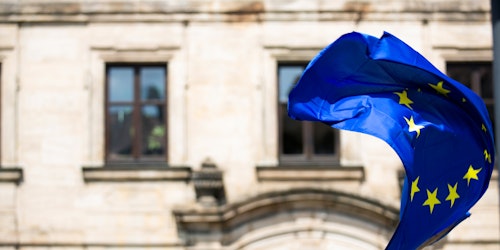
(153, 130)
(323, 139)
(486, 81)
(288, 77)
(292, 141)
(120, 130)
(121, 84)
(152, 83)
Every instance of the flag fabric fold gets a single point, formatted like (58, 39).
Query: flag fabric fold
(438, 127)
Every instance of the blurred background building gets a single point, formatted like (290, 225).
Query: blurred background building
(161, 124)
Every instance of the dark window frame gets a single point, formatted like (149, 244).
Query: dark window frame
(308, 156)
(478, 76)
(137, 103)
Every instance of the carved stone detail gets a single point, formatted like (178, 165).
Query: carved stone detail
(208, 185)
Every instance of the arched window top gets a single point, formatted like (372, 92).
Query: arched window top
(279, 213)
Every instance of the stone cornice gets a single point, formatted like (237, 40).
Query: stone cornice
(72, 11)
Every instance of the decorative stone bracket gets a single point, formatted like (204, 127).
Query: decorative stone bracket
(208, 185)
(14, 175)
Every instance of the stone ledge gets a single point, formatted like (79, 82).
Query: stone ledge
(186, 16)
(248, 6)
(87, 245)
(310, 173)
(136, 173)
(14, 175)
(75, 11)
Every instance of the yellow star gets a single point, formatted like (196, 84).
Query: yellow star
(414, 188)
(403, 99)
(412, 126)
(483, 127)
(487, 156)
(453, 195)
(439, 88)
(431, 199)
(471, 174)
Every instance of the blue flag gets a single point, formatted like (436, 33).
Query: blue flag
(438, 127)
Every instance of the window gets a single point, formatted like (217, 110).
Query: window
(478, 76)
(301, 141)
(136, 112)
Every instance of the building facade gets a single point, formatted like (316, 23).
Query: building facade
(161, 124)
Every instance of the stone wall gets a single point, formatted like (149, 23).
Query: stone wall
(57, 193)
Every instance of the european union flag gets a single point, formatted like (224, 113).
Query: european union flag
(439, 128)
